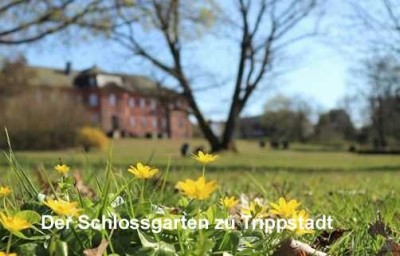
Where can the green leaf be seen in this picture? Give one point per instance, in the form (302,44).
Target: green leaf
(230,241)
(58,247)
(183,202)
(32,238)
(149,242)
(31,249)
(30,216)
(211,213)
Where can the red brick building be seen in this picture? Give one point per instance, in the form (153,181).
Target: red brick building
(120,104)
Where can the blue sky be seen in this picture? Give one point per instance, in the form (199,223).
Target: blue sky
(319,75)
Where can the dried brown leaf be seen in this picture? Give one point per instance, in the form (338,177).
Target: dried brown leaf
(290,247)
(326,239)
(379,228)
(45,186)
(98,251)
(81,186)
(390,248)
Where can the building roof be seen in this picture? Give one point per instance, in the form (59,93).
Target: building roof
(43,76)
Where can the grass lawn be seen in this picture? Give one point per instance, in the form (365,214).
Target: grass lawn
(350,187)
(250,157)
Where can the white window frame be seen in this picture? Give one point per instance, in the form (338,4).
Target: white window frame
(153,104)
(132,121)
(131,102)
(144,122)
(154,122)
(93,100)
(142,103)
(112,99)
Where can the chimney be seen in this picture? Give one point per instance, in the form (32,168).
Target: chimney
(68,67)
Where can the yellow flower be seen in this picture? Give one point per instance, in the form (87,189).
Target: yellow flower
(199,189)
(142,171)
(300,223)
(7,254)
(14,223)
(255,210)
(283,208)
(229,202)
(62,169)
(63,208)
(205,158)
(5,191)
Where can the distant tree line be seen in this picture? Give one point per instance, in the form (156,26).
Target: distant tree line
(379,90)
(290,119)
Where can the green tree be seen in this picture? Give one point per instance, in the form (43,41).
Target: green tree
(288,119)
(335,126)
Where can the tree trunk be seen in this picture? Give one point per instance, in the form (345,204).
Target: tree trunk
(211,138)
(380,125)
(230,127)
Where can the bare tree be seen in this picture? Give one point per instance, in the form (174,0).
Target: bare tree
(377,24)
(379,89)
(264,27)
(26,21)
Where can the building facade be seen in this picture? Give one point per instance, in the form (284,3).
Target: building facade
(122,105)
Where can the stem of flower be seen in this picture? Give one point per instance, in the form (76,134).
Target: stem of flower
(142,191)
(204,169)
(9,244)
(200,231)
(77,238)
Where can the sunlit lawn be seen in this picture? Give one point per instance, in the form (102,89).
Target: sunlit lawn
(353,188)
(249,157)
(299,171)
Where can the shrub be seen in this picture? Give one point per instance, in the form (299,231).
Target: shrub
(90,137)
(41,120)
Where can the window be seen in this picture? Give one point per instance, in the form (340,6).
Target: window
(164,123)
(112,100)
(131,102)
(93,100)
(142,103)
(153,104)
(181,123)
(144,122)
(132,121)
(92,81)
(154,122)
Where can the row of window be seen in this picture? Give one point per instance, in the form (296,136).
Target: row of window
(133,121)
(93,101)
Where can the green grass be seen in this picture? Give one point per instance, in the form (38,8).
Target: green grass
(350,187)
(249,157)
